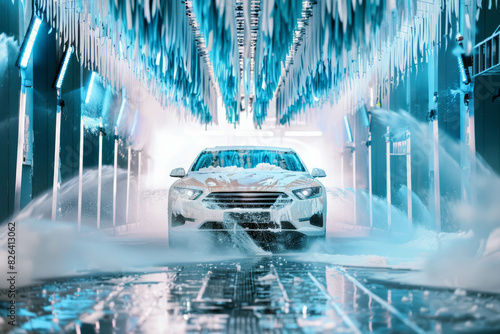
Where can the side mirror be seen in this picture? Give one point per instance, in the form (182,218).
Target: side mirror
(178,172)
(316,172)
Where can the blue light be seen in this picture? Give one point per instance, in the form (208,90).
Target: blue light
(120,113)
(91,85)
(64,67)
(133,129)
(463,71)
(348,129)
(121,50)
(364,116)
(29,42)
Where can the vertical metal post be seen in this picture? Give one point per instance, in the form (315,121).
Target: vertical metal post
(22,26)
(464,151)
(472,8)
(139,161)
(354,185)
(115,171)
(370,187)
(129,154)
(472,149)
(99,177)
(408,179)
(437,188)
(20,145)
(80,175)
(80,158)
(354,176)
(388,176)
(467,130)
(55,183)
(433,128)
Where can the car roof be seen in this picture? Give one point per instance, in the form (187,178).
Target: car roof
(238,148)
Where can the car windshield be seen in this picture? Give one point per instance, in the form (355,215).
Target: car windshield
(287,160)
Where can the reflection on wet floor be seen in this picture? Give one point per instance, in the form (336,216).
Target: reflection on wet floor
(258,295)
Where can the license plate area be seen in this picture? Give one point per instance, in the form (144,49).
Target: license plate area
(247,217)
(250,220)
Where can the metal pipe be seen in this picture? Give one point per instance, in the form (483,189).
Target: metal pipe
(464,149)
(139,160)
(433,133)
(99,177)
(115,171)
(388,176)
(128,185)
(472,152)
(437,188)
(80,175)
(408,154)
(467,133)
(370,188)
(354,185)
(354,131)
(55,183)
(472,123)
(408,180)
(80,160)
(20,147)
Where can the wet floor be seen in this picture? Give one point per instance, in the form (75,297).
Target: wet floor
(259,295)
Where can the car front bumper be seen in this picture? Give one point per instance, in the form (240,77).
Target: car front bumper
(306,217)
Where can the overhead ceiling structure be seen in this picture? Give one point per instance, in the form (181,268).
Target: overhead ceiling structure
(252,53)
(128,40)
(218,26)
(324,50)
(247,24)
(278,21)
(352,48)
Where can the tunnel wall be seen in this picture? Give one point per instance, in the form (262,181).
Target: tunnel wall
(37,172)
(406,92)
(416,101)
(10,22)
(487,111)
(45,65)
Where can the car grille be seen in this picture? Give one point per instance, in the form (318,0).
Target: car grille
(284,225)
(246,200)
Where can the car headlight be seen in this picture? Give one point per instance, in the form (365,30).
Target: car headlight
(308,193)
(186,193)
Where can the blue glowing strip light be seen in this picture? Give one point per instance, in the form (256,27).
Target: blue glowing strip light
(63,68)
(120,113)
(28,43)
(121,50)
(463,71)
(348,129)
(364,116)
(133,129)
(91,85)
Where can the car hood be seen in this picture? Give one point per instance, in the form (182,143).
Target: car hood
(248,181)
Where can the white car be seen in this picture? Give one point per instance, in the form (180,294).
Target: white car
(265,192)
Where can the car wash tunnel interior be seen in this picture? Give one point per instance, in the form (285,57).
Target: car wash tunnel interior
(249,166)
